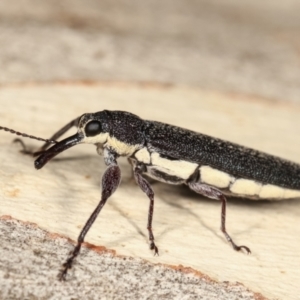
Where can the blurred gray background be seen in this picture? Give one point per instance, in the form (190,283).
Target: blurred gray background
(250,47)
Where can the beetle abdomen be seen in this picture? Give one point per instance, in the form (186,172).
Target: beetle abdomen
(233,159)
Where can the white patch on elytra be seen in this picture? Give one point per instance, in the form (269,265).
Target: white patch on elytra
(270,191)
(214,177)
(246,187)
(179,168)
(143,155)
(290,194)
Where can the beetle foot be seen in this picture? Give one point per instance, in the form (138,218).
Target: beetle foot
(153,247)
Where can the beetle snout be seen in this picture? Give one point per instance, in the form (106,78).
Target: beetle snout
(56,149)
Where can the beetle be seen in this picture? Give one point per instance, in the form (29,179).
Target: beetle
(209,166)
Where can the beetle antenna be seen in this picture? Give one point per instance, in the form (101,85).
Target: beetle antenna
(27,135)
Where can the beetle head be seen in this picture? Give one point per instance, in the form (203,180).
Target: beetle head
(119,131)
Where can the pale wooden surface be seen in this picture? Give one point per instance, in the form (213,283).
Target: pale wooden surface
(61,196)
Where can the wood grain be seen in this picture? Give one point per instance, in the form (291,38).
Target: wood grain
(61,196)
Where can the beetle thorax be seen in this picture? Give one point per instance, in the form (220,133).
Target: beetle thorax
(120,147)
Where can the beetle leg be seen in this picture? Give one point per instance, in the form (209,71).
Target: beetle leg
(54,137)
(59,133)
(146,188)
(24,150)
(214,193)
(110,182)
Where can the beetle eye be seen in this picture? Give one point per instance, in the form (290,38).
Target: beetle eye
(93,128)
